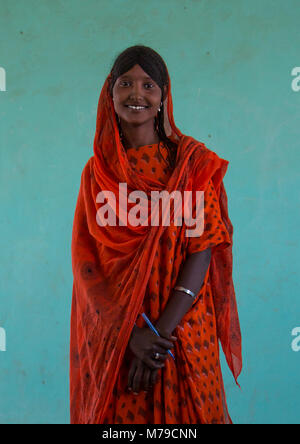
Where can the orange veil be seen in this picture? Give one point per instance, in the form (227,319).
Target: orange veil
(112,264)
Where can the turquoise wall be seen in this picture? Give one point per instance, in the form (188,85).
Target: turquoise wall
(231,66)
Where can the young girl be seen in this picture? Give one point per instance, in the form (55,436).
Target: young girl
(121,372)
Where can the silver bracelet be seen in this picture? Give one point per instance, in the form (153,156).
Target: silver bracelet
(189,292)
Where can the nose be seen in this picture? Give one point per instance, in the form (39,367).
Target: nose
(136,92)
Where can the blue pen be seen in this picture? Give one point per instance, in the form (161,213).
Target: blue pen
(154,330)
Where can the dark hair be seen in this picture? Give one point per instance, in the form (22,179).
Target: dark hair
(153,64)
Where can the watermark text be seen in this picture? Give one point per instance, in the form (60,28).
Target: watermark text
(2,79)
(107,215)
(2,340)
(296,81)
(296,342)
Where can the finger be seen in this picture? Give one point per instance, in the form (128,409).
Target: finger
(170,337)
(162,357)
(131,374)
(154,377)
(161,350)
(166,335)
(165,343)
(153,363)
(137,378)
(161,360)
(146,378)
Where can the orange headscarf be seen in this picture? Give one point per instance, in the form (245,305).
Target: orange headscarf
(112,264)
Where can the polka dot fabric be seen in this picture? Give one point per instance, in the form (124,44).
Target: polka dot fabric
(190,389)
(215,234)
(150,161)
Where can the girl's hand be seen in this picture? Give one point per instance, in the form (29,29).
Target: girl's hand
(144,343)
(140,376)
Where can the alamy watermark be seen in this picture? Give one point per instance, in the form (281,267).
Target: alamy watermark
(296,81)
(142,207)
(2,79)
(296,342)
(2,340)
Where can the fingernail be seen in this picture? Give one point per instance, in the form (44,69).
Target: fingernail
(135,393)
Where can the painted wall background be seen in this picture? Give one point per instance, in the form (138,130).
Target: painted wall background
(231,70)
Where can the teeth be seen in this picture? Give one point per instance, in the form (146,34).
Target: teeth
(136,107)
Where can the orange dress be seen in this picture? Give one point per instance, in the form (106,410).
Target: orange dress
(190,389)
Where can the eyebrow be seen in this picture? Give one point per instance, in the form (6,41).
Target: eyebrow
(129,77)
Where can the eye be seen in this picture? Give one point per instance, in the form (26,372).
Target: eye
(148,85)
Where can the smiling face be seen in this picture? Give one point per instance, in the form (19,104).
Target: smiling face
(136,88)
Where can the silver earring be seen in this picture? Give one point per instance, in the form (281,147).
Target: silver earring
(159,106)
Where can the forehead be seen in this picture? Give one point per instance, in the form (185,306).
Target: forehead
(136,73)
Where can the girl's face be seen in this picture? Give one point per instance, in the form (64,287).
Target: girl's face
(136,88)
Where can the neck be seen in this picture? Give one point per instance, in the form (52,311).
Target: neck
(136,136)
